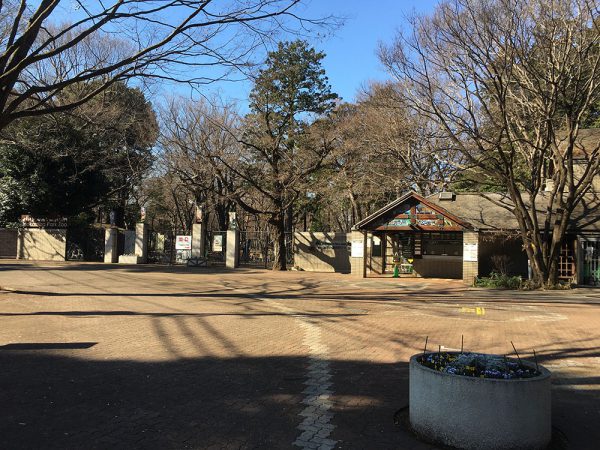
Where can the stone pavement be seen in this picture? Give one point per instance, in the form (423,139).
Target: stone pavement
(108,356)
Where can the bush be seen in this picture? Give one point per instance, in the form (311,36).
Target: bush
(498,280)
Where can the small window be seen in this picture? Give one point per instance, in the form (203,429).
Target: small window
(442,244)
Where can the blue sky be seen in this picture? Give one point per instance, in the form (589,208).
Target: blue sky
(351,59)
(351,54)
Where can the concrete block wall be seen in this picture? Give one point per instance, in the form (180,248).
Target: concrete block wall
(470,269)
(42,244)
(322,252)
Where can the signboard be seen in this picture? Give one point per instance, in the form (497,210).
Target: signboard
(358,249)
(217,243)
(328,245)
(470,252)
(183,242)
(42,222)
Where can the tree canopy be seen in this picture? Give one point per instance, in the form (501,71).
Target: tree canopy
(65,164)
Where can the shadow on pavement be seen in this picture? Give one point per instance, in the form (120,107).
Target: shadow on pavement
(51,400)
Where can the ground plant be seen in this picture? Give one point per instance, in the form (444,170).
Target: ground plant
(499,281)
(478,365)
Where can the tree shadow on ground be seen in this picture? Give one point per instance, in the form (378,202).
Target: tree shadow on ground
(51,400)
(62,400)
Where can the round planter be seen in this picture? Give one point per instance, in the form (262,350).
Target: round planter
(475,413)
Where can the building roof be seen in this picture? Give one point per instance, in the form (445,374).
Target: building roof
(390,207)
(490,211)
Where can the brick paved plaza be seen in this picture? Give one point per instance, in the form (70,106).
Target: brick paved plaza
(99,356)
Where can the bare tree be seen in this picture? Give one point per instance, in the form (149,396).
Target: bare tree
(198,146)
(195,42)
(509,81)
(382,150)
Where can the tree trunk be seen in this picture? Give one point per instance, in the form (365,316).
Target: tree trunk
(279,257)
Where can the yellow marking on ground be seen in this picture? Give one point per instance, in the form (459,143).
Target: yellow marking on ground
(479,311)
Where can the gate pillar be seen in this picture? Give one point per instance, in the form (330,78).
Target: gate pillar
(198,240)
(141,242)
(111,239)
(232,249)
(358,256)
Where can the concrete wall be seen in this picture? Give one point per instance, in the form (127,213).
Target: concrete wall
(322,252)
(8,243)
(42,244)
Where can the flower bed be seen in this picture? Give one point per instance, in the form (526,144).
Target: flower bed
(478,365)
(478,401)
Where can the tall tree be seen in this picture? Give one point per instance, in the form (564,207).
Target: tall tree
(510,82)
(67,163)
(198,146)
(194,42)
(285,136)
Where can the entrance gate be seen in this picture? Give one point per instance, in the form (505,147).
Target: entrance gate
(591,263)
(162,248)
(85,244)
(216,243)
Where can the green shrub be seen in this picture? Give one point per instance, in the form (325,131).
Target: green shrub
(498,280)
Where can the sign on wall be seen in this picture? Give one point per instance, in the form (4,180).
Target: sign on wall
(217,243)
(43,222)
(183,242)
(358,250)
(470,252)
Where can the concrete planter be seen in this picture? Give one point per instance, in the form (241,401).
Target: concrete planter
(475,413)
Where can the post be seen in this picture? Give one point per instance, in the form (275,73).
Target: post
(198,240)
(232,244)
(358,253)
(366,247)
(141,242)
(470,256)
(111,236)
(232,249)
(580,259)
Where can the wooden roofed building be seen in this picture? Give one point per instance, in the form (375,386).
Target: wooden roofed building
(464,235)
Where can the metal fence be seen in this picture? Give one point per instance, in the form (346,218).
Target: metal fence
(8,243)
(85,244)
(215,245)
(257,249)
(161,247)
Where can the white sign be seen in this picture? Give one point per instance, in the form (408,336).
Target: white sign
(358,249)
(470,252)
(217,243)
(183,242)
